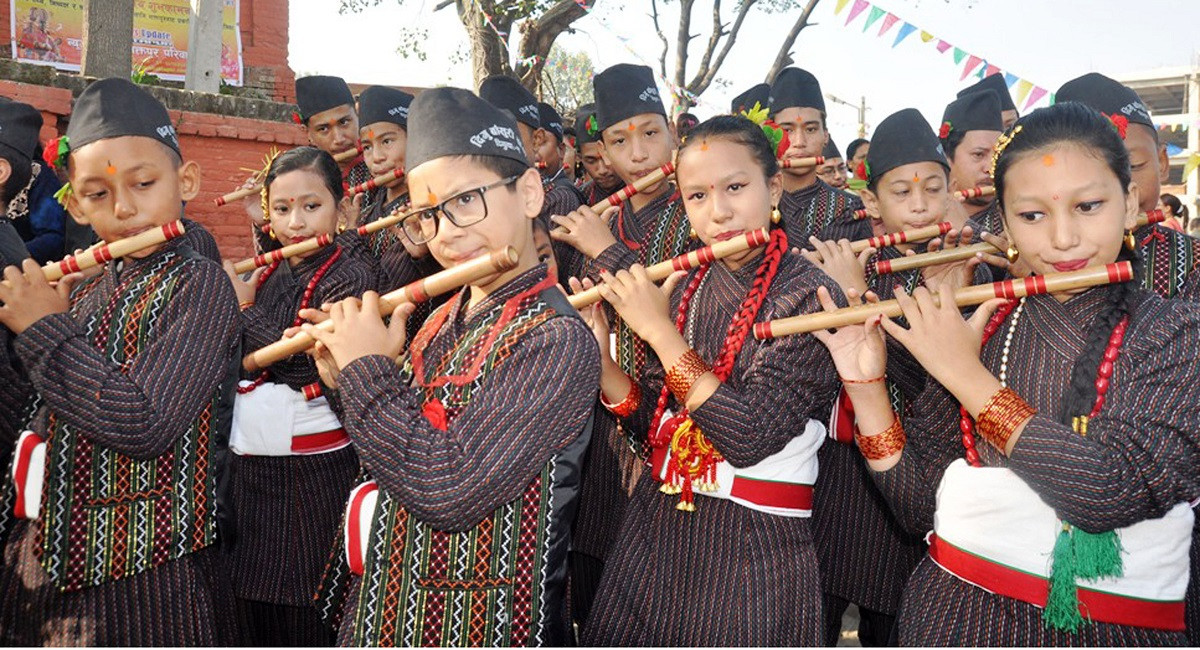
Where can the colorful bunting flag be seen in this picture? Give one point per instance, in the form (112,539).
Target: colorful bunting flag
(991,70)
(859,6)
(841,4)
(1023,88)
(905,29)
(1190,166)
(959,55)
(1010,79)
(888,21)
(1037,93)
(926,36)
(876,14)
(942,46)
(972,61)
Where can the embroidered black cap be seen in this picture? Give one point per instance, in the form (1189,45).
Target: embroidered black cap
(383,104)
(455,122)
(20,124)
(623,91)
(796,88)
(320,93)
(995,83)
(902,138)
(115,107)
(508,93)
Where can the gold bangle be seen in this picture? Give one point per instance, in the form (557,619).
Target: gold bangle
(684,373)
(245,305)
(882,445)
(1000,417)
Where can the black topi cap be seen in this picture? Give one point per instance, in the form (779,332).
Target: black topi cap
(320,93)
(1106,95)
(586,128)
(830,150)
(758,94)
(977,111)
(995,83)
(20,124)
(508,93)
(454,122)
(901,138)
(623,91)
(115,107)
(551,120)
(798,88)
(383,104)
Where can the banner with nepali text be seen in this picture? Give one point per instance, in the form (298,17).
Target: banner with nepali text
(50,32)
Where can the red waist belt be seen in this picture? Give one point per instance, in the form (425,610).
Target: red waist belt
(1100,606)
(315,443)
(769,494)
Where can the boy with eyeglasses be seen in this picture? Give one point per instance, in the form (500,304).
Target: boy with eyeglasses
(462,536)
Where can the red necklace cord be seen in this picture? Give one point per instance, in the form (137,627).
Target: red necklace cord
(1103,377)
(308,294)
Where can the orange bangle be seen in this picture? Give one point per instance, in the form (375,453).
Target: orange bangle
(684,373)
(245,305)
(628,405)
(882,445)
(863,381)
(1000,417)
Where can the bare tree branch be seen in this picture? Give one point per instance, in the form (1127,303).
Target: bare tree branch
(683,39)
(706,72)
(784,57)
(662,59)
(443,4)
(538,37)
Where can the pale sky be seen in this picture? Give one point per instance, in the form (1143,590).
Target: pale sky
(1044,41)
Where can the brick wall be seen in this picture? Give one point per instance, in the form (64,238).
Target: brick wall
(221,144)
(264,25)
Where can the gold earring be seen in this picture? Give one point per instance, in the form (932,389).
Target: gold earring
(341,227)
(271,233)
(775,216)
(1130,240)
(692,233)
(1012,254)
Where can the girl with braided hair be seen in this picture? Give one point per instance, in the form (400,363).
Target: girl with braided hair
(716,547)
(292,463)
(1055,454)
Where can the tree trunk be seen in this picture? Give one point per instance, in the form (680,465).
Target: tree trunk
(107,38)
(204,47)
(488,56)
(538,36)
(784,58)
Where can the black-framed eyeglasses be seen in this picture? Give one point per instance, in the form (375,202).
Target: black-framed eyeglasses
(463,209)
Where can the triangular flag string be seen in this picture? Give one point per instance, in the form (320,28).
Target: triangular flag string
(905,29)
(876,14)
(888,21)
(859,6)
(1027,93)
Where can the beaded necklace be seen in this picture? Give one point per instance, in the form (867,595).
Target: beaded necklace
(692,457)
(308,294)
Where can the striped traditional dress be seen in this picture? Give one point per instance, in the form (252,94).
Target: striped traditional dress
(151,344)
(1138,460)
(288,508)
(726,574)
(659,231)
(989,220)
(477,466)
(824,212)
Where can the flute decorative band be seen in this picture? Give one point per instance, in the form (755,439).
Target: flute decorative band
(965,297)
(797,163)
(706,255)
(280,254)
(242,193)
(902,237)
(649,180)
(105,253)
(419,291)
(961,195)
(959,253)
(384,179)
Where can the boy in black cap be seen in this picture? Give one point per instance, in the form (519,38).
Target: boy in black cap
(601,180)
(474,447)
(1170,257)
(133,372)
(866,555)
(995,83)
(970,127)
(325,111)
(757,95)
(809,206)
(833,171)
(636,139)
(507,93)
(562,197)
(19,126)
(396,261)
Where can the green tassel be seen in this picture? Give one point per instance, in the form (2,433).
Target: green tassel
(63,194)
(1097,555)
(1062,605)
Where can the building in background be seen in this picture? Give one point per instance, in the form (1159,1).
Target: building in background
(1173,97)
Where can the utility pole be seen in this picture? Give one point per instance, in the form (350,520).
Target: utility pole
(204,46)
(861,107)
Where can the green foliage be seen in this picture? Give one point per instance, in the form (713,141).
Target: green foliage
(567,79)
(141,73)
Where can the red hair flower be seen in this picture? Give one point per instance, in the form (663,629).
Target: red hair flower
(56,151)
(296,118)
(435,413)
(863,171)
(1121,123)
(944,132)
